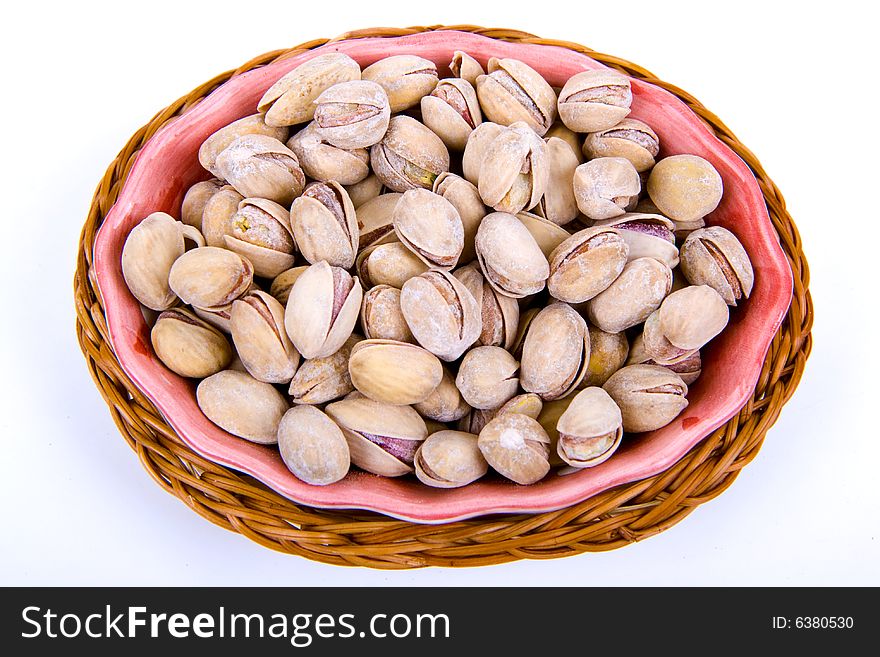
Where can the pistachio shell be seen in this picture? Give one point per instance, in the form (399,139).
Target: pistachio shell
(514,91)
(441,313)
(590,429)
(405,78)
(195,199)
(282,283)
(353,114)
(325,162)
(365,190)
(312,446)
(586,263)
(499,313)
(509,257)
(452,112)
(381,316)
(608,353)
(388,264)
(685,187)
(691,317)
(324,224)
(661,350)
(394,372)
(189,346)
(571,138)
(241,405)
(260,231)
(689,368)
(605,187)
(290,100)
(257,322)
(547,234)
(515,171)
(487,377)
(713,256)
(450,459)
(322,310)
(220,140)
(635,294)
(430,227)
(475,149)
(466,200)
(261,167)
(555,353)
(218,213)
(517,447)
(649,397)
(594,100)
(148,255)
(646,235)
(410,155)
(631,139)
(445,404)
(466,67)
(209,277)
(559,204)
(324,379)
(375,220)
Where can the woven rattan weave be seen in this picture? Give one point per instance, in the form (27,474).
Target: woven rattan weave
(606,521)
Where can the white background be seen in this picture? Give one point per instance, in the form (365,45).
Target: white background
(794,83)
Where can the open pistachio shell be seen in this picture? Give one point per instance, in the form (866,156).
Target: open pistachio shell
(281,284)
(466,200)
(510,258)
(606,187)
(689,369)
(631,139)
(450,459)
(189,346)
(324,224)
(218,213)
(452,112)
(487,377)
(547,234)
(261,167)
(713,256)
(590,429)
(381,316)
(517,447)
(586,263)
(352,115)
(649,397)
(220,140)
(260,232)
(388,264)
(312,446)
(410,155)
(320,380)
(646,235)
(209,277)
(243,406)
(499,313)
(405,78)
(195,200)
(513,91)
(475,149)
(375,223)
(594,100)
(466,67)
(430,227)
(692,316)
(325,162)
(635,294)
(555,353)
(394,372)
(571,139)
(257,322)
(515,171)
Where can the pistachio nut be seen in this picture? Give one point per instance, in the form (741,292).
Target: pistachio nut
(375,222)
(631,139)
(555,352)
(586,263)
(713,256)
(312,446)
(322,309)
(365,190)
(608,353)
(260,232)
(410,155)
(382,438)
(188,346)
(452,112)
(218,142)
(573,139)
(465,67)
(686,320)
(290,100)
(649,397)
(514,91)
(635,294)
(595,100)
(148,255)
(352,115)
(261,167)
(257,322)
(441,313)
(646,235)
(405,78)
(466,200)
(241,405)
(445,404)
(475,149)
(487,377)
(209,277)
(394,372)
(217,215)
(320,380)
(381,316)
(547,234)
(509,256)
(685,187)
(689,369)
(325,225)
(526,404)
(281,284)
(558,203)
(517,447)
(515,171)
(195,199)
(388,264)
(590,429)
(605,187)
(499,313)
(430,227)
(449,459)
(324,162)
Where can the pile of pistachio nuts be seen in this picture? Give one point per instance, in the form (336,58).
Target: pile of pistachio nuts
(411,274)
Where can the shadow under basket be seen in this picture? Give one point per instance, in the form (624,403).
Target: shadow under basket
(607,520)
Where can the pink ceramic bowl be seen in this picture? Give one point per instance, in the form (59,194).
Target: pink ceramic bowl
(168,165)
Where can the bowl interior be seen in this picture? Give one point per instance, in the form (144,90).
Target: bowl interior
(168,164)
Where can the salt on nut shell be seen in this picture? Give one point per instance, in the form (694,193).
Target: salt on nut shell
(208,277)
(405,78)
(606,187)
(499,313)
(631,139)
(312,446)
(352,114)
(649,397)
(635,293)
(466,200)
(445,404)
(586,263)
(689,368)
(515,170)
(189,346)
(555,353)
(477,144)
(397,373)
(388,264)
(594,100)
(450,459)
(517,447)
(243,406)
(325,162)
(690,317)
(222,138)
(590,430)
(713,256)
(685,187)
(260,232)
(324,224)
(430,226)
(381,316)
(487,377)
(466,67)
(509,257)
(257,323)
(558,204)
(320,380)
(514,91)
(646,235)
(261,167)
(452,111)
(410,155)
(218,213)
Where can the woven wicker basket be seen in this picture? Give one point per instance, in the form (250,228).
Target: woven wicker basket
(606,521)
